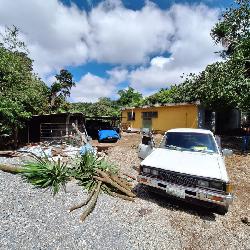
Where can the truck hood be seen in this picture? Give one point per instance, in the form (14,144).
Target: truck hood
(191,163)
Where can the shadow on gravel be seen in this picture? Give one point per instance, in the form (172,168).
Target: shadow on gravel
(170,203)
(232,142)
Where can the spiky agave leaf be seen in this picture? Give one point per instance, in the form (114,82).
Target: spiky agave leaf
(46,174)
(85,169)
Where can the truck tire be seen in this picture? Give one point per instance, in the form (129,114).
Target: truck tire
(222,210)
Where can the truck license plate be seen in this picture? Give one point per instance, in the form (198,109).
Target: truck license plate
(175,191)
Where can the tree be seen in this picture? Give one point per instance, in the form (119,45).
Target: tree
(60,89)
(11,41)
(21,92)
(160,97)
(221,85)
(232,31)
(225,84)
(103,107)
(129,97)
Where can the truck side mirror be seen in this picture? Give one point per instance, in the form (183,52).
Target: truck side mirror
(227,152)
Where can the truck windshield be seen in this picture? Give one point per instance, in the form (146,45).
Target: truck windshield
(190,141)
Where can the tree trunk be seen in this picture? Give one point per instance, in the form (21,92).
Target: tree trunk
(15,134)
(52,100)
(10,168)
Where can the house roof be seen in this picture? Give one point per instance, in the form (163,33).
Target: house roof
(60,114)
(164,105)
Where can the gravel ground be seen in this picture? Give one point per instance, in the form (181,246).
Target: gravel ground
(31,218)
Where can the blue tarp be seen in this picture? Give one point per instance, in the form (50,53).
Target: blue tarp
(107,134)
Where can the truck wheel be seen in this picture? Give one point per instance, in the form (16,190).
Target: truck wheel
(222,210)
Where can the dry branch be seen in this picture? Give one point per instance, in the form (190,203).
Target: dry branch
(85,202)
(82,136)
(9,153)
(92,202)
(10,168)
(114,194)
(105,178)
(125,197)
(120,182)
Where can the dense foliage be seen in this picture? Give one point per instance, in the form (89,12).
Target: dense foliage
(107,107)
(225,84)
(22,93)
(129,97)
(103,107)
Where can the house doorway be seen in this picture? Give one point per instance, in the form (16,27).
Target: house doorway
(147,118)
(147,123)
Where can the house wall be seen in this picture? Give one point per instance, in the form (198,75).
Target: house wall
(179,116)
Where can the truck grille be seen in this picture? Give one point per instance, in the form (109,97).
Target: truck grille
(177,179)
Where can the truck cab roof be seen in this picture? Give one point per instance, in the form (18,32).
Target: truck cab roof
(190,130)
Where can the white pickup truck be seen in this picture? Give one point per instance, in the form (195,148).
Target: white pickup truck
(188,164)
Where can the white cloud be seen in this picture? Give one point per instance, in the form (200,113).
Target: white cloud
(52,31)
(160,61)
(117,75)
(125,36)
(90,88)
(191,49)
(59,36)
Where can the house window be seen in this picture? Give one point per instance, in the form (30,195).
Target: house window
(131,116)
(149,115)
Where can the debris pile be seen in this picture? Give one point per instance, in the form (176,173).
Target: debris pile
(46,150)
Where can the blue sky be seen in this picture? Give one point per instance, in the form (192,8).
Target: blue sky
(111,44)
(138,4)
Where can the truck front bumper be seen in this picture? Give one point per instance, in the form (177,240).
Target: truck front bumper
(188,193)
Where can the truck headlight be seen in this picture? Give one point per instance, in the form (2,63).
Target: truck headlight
(146,170)
(216,185)
(203,183)
(154,172)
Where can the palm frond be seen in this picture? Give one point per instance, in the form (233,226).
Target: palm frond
(44,173)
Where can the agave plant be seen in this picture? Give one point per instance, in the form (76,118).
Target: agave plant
(96,175)
(85,168)
(46,174)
